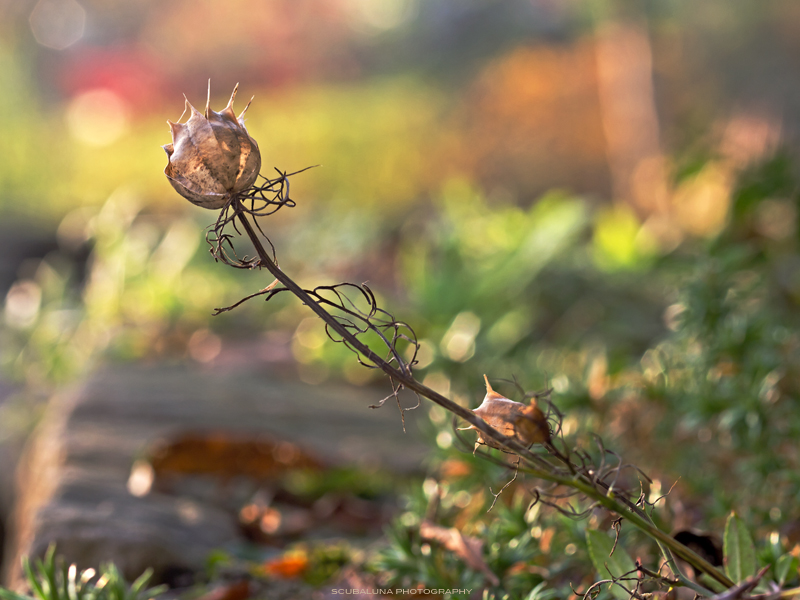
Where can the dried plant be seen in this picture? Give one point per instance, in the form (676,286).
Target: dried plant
(350,311)
(571,480)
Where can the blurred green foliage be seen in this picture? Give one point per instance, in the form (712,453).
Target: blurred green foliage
(687,362)
(696,346)
(672,356)
(49,578)
(686,357)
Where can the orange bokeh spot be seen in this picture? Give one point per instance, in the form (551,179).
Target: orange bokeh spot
(289,566)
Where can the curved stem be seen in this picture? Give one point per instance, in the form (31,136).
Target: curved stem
(641,521)
(539,467)
(673,565)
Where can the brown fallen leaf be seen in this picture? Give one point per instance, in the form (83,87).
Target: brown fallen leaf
(226,454)
(239,590)
(526,422)
(469,549)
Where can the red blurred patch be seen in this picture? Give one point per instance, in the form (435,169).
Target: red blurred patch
(127,71)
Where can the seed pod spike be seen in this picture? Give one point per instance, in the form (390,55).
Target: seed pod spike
(490,393)
(208,99)
(233,96)
(241,116)
(227,112)
(175,128)
(185,106)
(192,108)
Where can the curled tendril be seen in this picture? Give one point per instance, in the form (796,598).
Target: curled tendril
(356,309)
(358,316)
(261,200)
(353,307)
(578,481)
(355,312)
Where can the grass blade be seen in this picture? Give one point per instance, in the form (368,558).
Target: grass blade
(33,579)
(786,564)
(9,595)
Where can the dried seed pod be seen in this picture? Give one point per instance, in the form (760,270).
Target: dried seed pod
(526,422)
(531,425)
(212,157)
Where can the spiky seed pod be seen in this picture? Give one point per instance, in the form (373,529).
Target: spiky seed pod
(526,422)
(531,425)
(212,157)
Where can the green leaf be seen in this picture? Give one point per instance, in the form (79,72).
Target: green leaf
(540,592)
(9,595)
(786,565)
(616,565)
(48,571)
(740,553)
(32,579)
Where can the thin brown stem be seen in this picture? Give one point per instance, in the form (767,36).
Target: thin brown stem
(594,489)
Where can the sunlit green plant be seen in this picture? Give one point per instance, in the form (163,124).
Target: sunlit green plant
(575,479)
(50,578)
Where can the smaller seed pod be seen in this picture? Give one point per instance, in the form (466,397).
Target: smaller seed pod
(525,422)
(212,157)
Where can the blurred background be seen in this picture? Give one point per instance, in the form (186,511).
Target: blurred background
(596,196)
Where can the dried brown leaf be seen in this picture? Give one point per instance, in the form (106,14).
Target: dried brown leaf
(238,590)
(469,549)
